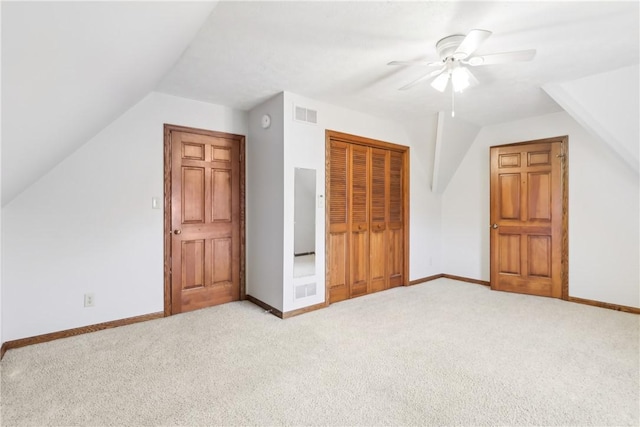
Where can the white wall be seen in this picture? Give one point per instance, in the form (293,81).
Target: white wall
(88,225)
(426,205)
(604,252)
(265,204)
(1,281)
(305,147)
(453,140)
(1,270)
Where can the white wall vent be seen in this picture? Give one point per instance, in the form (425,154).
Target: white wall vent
(306,115)
(303,291)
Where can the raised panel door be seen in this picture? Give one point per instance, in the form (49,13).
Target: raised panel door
(205,221)
(527,218)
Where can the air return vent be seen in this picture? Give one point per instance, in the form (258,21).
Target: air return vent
(303,291)
(306,115)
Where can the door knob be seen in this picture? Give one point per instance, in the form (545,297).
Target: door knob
(177,231)
(494,226)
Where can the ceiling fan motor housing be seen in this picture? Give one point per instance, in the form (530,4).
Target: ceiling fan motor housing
(448,45)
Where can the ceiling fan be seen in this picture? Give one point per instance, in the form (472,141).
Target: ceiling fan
(456,53)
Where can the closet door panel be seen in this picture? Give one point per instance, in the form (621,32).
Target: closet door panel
(378,255)
(378,221)
(396,232)
(396,257)
(359,210)
(338,242)
(359,263)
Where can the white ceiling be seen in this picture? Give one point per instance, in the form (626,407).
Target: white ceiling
(71,68)
(337,52)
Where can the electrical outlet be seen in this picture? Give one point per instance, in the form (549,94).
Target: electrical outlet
(89,300)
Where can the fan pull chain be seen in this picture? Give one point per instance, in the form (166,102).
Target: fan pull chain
(453,113)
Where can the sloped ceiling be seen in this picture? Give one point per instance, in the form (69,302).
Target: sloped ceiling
(337,52)
(607,105)
(70,68)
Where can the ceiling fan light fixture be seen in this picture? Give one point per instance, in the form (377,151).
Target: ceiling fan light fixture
(440,82)
(476,60)
(460,79)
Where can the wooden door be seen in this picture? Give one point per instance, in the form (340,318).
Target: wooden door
(528,218)
(205,219)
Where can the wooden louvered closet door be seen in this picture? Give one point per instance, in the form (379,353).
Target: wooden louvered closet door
(365,244)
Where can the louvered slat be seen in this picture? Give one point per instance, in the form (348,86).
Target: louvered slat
(338,183)
(378,160)
(359,185)
(395,190)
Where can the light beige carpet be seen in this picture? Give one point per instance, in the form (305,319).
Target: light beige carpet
(439,353)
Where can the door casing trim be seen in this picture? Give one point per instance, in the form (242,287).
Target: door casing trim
(240,140)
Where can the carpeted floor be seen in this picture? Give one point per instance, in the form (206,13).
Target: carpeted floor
(439,353)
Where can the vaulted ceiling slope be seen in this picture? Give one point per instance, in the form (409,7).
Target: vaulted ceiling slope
(71,68)
(608,106)
(337,52)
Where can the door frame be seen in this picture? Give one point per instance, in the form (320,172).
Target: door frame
(240,140)
(331,135)
(564,176)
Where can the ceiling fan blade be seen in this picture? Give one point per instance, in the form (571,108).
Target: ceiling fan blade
(440,82)
(424,63)
(472,79)
(423,78)
(471,42)
(502,58)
